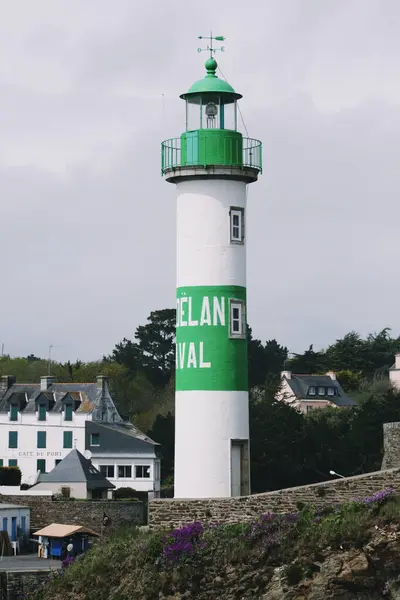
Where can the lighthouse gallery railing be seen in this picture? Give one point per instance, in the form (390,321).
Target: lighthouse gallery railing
(171,155)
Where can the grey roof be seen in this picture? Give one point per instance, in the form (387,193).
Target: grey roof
(75,468)
(300,386)
(119,438)
(4,505)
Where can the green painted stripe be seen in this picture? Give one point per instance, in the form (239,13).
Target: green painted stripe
(207,358)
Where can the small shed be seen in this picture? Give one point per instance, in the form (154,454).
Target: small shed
(55,540)
(15,520)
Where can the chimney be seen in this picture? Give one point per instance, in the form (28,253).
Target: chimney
(332,375)
(397,360)
(5,383)
(102,382)
(46,381)
(286,374)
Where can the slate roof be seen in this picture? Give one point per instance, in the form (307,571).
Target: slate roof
(119,438)
(300,386)
(75,468)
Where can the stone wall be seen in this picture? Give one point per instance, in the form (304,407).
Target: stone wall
(170,513)
(88,513)
(391,446)
(20,584)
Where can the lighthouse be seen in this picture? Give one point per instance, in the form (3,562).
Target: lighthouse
(211,165)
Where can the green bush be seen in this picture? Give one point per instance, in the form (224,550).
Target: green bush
(10,476)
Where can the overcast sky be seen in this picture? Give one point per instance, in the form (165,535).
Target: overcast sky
(87,223)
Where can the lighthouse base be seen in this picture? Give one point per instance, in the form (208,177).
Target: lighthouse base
(211,444)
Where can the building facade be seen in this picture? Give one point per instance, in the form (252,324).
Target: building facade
(308,392)
(211,164)
(41,423)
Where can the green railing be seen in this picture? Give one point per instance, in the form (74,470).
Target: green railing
(240,152)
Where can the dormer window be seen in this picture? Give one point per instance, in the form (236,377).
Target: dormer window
(42,412)
(13,412)
(321,391)
(95,439)
(68,412)
(311,391)
(331,391)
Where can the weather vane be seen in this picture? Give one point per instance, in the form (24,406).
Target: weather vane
(210,48)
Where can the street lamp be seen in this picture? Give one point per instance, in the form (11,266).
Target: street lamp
(337,474)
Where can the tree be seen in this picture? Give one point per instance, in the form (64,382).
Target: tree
(256,360)
(156,342)
(275,357)
(309,362)
(127,353)
(163,432)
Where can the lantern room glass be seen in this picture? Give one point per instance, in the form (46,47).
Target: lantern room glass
(210,112)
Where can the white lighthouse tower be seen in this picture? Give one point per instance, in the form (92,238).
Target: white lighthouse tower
(211,164)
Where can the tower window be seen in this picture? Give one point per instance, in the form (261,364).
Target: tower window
(13,412)
(236,313)
(42,412)
(237,225)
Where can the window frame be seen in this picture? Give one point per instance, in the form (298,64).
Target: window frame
(13,435)
(14,412)
(239,212)
(107,468)
(312,391)
(43,462)
(331,391)
(148,467)
(66,435)
(124,467)
(323,391)
(12,462)
(41,435)
(236,303)
(91,440)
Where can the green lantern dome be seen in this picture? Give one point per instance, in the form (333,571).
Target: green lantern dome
(210,85)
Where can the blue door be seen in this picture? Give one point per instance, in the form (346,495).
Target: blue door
(5,524)
(23,525)
(13,529)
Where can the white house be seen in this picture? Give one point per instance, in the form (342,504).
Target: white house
(41,423)
(308,392)
(15,520)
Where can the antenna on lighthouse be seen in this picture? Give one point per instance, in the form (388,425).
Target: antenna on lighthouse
(210,48)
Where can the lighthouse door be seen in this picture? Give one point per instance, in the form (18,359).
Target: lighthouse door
(236,468)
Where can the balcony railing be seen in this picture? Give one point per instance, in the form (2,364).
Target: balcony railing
(247,150)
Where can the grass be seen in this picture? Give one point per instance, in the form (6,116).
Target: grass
(132,564)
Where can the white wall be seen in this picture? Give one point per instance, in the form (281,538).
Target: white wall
(27,452)
(77,489)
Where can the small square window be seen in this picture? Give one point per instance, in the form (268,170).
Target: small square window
(321,391)
(331,391)
(125,471)
(237,225)
(311,391)
(236,313)
(68,412)
(95,439)
(13,412)
(13,439)
(41,465)
(142,471)
(41,439)
(42,412)
(107,470)
(13,462)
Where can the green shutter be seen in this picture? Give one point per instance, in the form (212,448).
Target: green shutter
(1,462)
(41,439)
(68,413)
(14,412)
(13,462)
(67,439)
(13,439)
(42,412)
(41,465)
